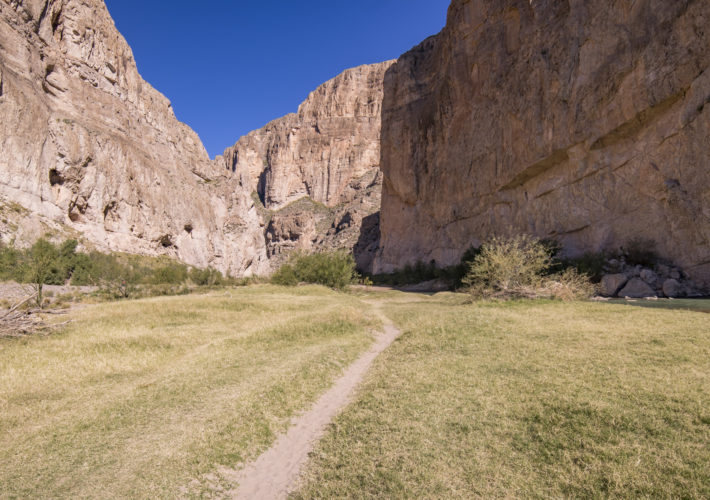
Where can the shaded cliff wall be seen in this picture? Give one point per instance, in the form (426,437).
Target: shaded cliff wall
(586,121)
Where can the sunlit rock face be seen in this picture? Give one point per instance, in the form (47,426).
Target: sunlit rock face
(328,153)
(585,121)
(90,148)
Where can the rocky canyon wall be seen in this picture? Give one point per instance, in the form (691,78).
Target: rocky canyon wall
(582,120)
(316,172)
(88,147)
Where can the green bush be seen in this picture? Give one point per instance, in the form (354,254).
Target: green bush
(206,277)
(335,270)
(11,264)
(285,276)
(170,274)
(118,273)
(520,267)
(96,268)
(21,265)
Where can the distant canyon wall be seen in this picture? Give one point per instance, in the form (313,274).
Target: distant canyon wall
(316,171)
(582,120)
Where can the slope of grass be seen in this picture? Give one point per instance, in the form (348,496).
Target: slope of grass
(146,399)
(527,399)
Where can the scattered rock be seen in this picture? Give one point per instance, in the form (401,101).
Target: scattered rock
(636,288)
(663,271)
(612,283)
(673,289)
(649,277)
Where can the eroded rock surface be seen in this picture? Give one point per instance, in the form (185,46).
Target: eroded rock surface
(90,147)
(585,121)
(317,171)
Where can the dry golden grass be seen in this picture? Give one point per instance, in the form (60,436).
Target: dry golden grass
(146,399)
(527,400)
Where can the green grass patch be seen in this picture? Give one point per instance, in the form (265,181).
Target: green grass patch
(527,399)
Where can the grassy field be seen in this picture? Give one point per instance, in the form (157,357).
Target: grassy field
(158,398)
(147,399)
(527,400)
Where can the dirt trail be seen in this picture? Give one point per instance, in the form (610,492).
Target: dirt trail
(274,474)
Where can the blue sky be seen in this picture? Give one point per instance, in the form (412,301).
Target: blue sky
(231,66)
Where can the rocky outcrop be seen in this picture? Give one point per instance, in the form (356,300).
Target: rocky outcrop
(90,147)
(584,121)
(634,280)
(316,172)
(308,226)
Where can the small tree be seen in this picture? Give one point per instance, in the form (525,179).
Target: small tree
(39,266)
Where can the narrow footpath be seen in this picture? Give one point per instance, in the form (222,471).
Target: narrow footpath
(275,473)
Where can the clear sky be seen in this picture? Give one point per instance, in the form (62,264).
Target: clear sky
(231,66)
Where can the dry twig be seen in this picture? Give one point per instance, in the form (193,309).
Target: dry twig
(17,322)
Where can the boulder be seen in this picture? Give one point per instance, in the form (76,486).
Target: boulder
(663,271)
(612,283)
(649,277)
(673,289)
(637,289)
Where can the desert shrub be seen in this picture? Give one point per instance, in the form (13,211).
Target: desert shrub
(508,264)
(57,262)
(568,285)
(97,268)
(335,270)
(11,264)
(116,274)
(285,276)
(520,267)
(169,274)
(640,252)
(205,277)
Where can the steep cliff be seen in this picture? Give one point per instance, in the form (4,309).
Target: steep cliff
(88,146)
(316,172)
(587,121)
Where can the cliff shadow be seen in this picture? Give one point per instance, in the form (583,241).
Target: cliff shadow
(367,244)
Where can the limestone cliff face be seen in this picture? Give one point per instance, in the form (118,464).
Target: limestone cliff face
(329,153)
(586,121)
(88,146)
